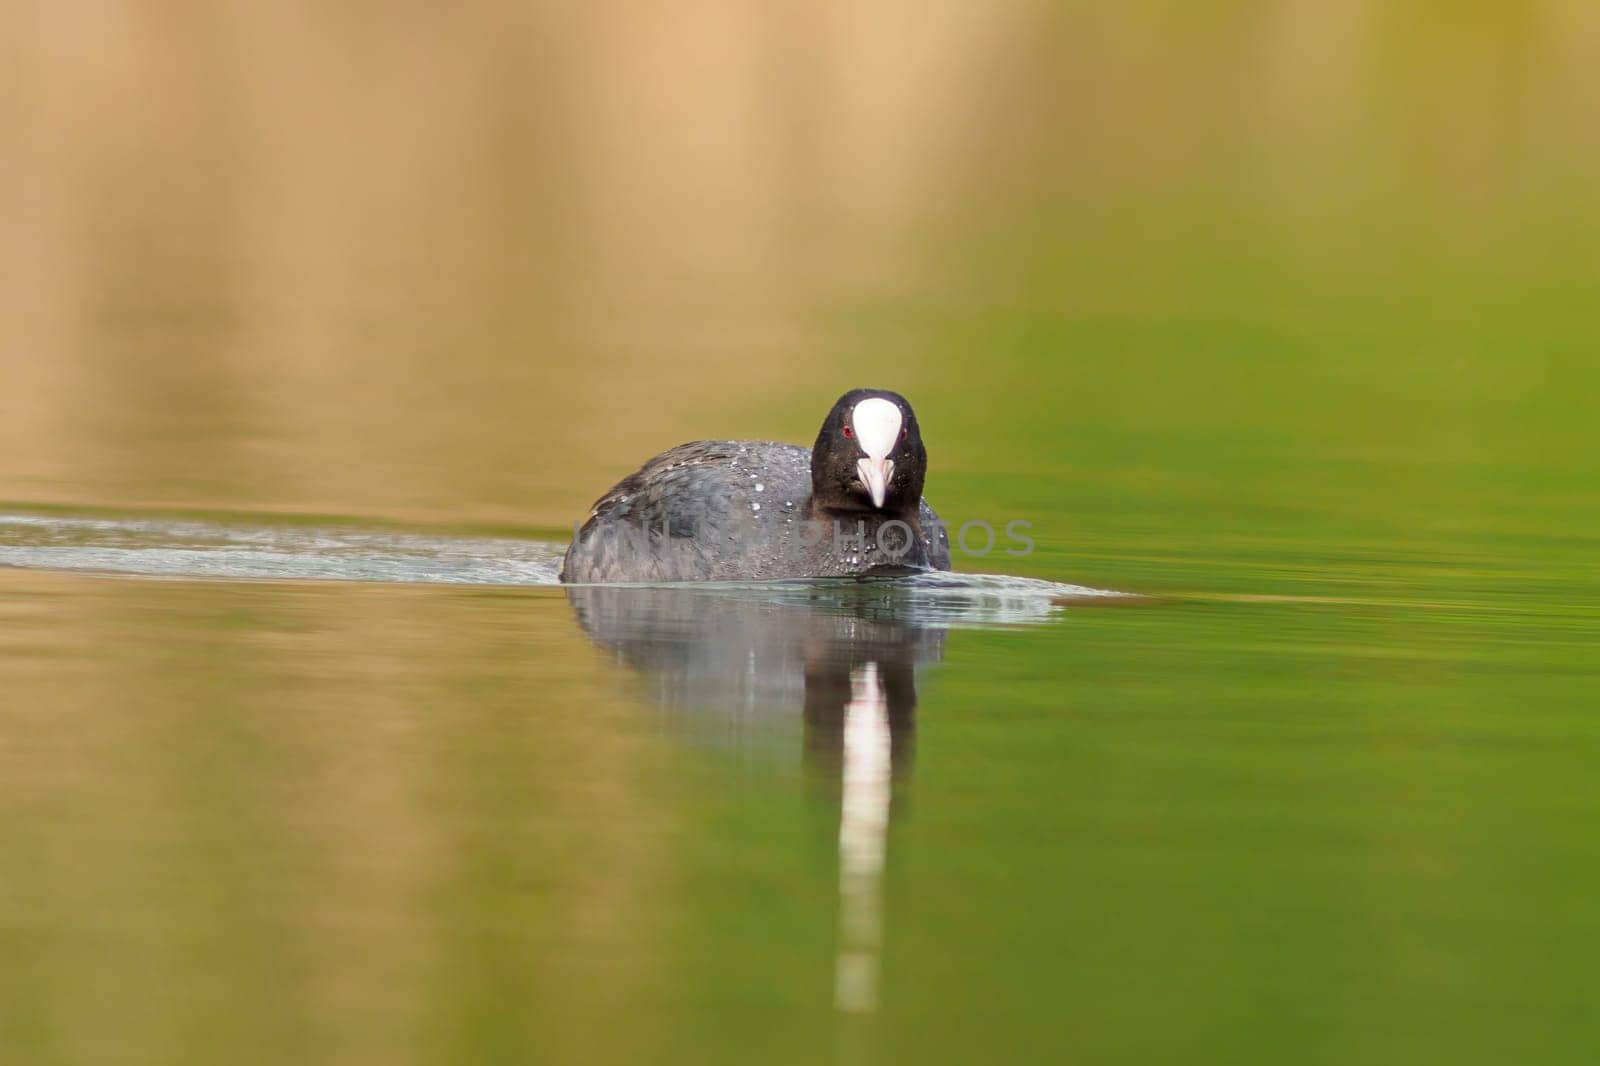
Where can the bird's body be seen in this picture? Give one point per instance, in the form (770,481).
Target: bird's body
(758,510)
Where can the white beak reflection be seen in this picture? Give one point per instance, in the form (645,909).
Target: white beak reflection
(828,669)
(863,840)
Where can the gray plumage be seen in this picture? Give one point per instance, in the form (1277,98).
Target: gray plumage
(696,513)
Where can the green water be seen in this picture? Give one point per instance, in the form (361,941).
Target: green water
(1282,315)
(1332,790)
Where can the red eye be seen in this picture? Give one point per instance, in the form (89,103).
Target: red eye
(849,432)
(904,433)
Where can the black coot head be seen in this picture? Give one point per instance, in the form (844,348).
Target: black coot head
(869,455)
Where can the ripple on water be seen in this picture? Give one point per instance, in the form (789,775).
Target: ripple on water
(178,548)
(191,549)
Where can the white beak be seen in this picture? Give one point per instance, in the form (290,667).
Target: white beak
(875,475)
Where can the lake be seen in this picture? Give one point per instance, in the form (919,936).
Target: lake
(317,340)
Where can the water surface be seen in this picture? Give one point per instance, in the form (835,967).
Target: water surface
(320,325)
(794,821)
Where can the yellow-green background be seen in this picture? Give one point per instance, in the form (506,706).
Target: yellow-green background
(1286,311)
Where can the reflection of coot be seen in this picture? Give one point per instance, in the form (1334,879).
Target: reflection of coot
(846,654)
(765,653)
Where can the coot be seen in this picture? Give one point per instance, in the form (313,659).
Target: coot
(723,510)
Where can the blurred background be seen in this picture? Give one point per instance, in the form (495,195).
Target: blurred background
(470,266)
(1287,308)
